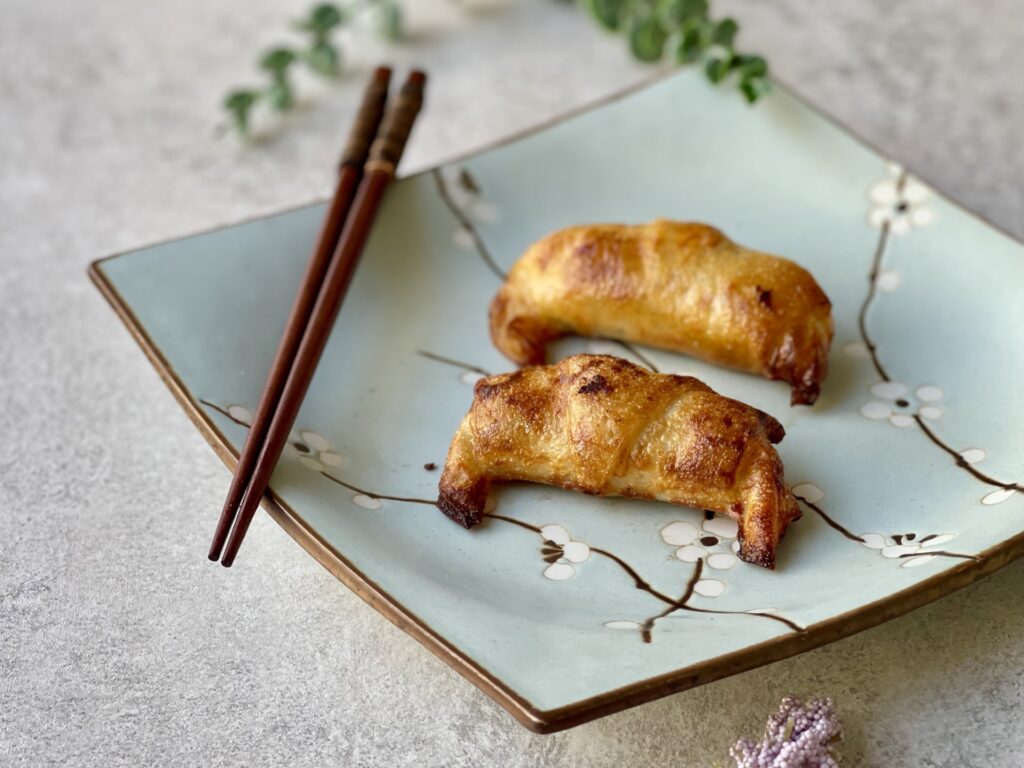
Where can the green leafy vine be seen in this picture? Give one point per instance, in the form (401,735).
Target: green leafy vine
(320,52)
(685,29)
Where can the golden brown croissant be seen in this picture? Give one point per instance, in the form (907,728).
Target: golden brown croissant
(604,426)
(684,287)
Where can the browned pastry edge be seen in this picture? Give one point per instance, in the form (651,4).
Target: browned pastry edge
(625,282)
(527,426)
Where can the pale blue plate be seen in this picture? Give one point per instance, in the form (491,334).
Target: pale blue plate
(913,453)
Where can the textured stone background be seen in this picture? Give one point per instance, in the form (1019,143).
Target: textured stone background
(121,645)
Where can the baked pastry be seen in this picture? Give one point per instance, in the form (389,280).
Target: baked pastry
(604,426)
(684,287)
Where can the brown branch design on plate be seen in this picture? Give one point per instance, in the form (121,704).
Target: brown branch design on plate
(553,544)
(914,549)
(899,207)
(467,234)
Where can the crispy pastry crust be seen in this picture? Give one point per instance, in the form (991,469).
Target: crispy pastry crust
(684,287)
(604,426)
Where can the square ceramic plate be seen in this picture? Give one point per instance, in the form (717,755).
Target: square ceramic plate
(909,466)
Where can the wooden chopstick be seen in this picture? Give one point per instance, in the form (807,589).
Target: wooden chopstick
(377,175)
(350,172)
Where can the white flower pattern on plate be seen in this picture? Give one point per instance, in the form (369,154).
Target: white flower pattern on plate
(561,552)
(914,550)
(313,450)
(240,413)
(624,624)
(909,547)
(896,404)
(714,543)
(997,497)
(903,208)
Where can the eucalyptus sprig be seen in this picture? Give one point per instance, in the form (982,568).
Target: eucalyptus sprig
(684,28)
(323,55)
(320,52)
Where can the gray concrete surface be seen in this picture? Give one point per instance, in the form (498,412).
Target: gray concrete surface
(121,645)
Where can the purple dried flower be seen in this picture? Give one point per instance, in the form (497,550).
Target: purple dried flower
(798,736)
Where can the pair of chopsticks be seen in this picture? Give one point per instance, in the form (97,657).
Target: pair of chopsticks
(374,147)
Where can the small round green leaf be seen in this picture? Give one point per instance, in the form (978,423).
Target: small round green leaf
(754,88)
(608,13)
(322,19)
(326,16)
(691,45)
(647,38)
(240,103)
(750,66)
(724,32)
(277,60)
(241,99)
(717,69)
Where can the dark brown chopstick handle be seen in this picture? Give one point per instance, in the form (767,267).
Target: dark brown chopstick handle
(367,121)
(394,132)
(349,175)
(379,172)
